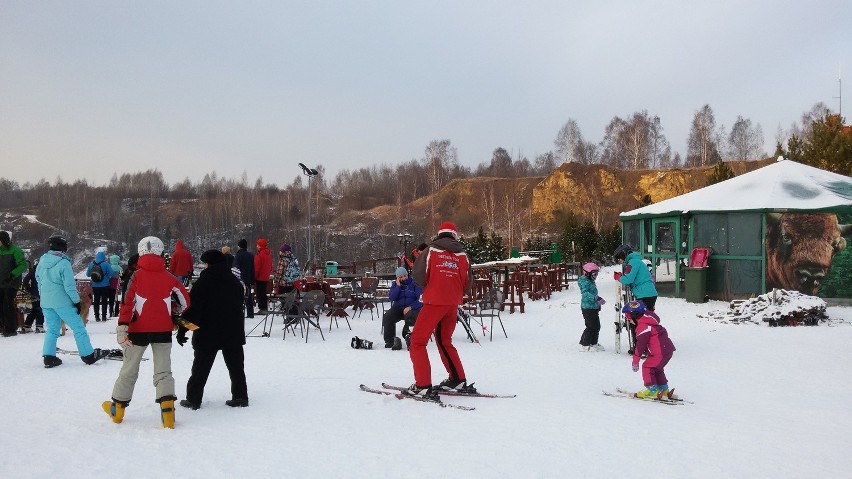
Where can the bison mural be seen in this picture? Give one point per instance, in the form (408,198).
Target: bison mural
(800,248)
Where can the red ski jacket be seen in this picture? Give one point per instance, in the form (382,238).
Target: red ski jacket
(443,270)
(181,263)
(147,305)
(262,262)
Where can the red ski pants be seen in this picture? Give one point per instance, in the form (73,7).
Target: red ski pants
(440,319)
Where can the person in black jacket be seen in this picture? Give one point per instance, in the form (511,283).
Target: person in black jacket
(35,314)
(244,260)
(217,309)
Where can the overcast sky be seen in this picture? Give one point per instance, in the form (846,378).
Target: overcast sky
(93,88)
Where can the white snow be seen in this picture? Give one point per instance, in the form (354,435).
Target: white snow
(769,402)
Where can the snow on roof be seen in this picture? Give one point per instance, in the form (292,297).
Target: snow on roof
(783,185)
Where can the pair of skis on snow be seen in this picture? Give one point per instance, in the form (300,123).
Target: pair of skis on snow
(623,393)
(396,391)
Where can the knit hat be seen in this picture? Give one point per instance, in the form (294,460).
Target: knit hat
(285,248)
(448,227)
(213,256)
(261,243)
(401,272)
(243,243)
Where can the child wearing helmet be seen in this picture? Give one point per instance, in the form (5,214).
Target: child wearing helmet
(590,307)
(145,319)
(653,339)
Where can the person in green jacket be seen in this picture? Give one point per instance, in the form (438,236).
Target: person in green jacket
(12,267)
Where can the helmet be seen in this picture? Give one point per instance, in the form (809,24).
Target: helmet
(150,245)
(590,267)
(634,307)
(621,252)
(57,243)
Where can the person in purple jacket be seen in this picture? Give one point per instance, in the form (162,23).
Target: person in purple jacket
(653,339)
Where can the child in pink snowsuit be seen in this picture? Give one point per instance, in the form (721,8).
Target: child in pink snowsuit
(653,339)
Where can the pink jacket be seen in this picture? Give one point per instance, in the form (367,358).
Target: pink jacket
(651,337)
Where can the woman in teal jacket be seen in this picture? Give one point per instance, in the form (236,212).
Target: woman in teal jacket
(60,301)
(636,275)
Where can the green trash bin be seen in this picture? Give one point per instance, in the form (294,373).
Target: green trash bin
(696,284)
(555,255)
(516,253)
(330,267)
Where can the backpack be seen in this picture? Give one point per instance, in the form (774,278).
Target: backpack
(97,273)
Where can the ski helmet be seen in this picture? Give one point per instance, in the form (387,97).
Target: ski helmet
(621,252)
(590,267)
(150,245)
(634,307)
(57,243)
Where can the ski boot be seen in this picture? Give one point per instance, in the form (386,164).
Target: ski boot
(459,386)
(667,394)
(39,329)
(651,392)
(51,361)
(167,411)
(397,344)
(96,356)
(115,409)
(25,329)
(426,393)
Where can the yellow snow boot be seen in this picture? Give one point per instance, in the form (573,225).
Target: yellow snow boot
(167,413)
(115,410)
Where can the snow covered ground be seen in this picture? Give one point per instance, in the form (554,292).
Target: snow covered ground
(769,402)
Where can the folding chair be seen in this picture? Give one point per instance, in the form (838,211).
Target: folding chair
(489,308)
(309,309)
(283,303)
(335,305)
(362,296)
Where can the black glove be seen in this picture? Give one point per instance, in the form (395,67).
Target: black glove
(181,337)
(78,307)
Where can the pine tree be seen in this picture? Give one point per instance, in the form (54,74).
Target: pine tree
(829,147)
(721,172)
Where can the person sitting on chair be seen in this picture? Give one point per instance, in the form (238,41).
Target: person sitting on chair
(405,296)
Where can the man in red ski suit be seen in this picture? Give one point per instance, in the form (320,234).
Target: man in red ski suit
(651,337)
(443,271)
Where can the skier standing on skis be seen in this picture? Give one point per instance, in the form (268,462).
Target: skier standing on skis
(145,319)
(443,271)
(590,307)
(653,339)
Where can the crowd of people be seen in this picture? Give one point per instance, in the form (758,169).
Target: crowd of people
(151,297)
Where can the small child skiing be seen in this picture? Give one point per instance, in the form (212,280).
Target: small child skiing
(590,307)
(653,339)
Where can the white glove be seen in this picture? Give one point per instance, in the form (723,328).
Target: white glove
(121,336)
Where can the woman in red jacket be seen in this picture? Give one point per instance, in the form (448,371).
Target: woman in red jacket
(262,272)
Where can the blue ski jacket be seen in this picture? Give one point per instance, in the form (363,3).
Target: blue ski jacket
(56,281)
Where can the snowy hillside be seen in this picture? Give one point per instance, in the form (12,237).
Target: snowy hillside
(769,402)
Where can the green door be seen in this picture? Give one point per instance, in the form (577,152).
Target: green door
(665,236)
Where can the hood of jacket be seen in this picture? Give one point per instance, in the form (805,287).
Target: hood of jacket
(115,260)
(151,262)
(52,258)
(448,244)
(100,257)
(179,245)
